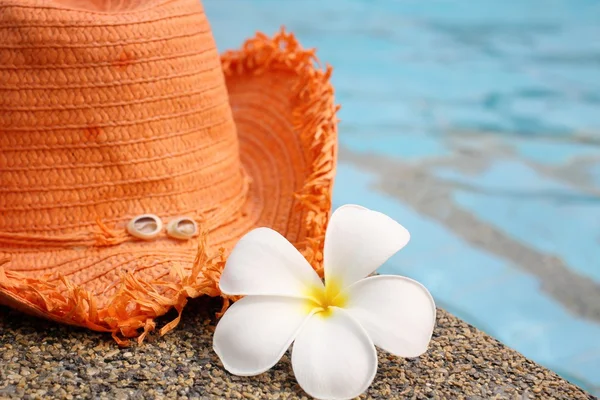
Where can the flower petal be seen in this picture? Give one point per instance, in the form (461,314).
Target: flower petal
(332,357)
(255,332)
(358,241)
(264,263)
(397,312)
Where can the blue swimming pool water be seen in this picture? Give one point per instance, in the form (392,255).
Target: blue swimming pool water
(476,124)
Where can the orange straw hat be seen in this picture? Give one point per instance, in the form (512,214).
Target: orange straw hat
(133,157)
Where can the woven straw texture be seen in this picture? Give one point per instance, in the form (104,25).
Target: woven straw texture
(112,109)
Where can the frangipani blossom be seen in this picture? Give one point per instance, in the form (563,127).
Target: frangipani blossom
(334,326)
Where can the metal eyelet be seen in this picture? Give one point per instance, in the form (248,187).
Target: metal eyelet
(182,228)
(147,226)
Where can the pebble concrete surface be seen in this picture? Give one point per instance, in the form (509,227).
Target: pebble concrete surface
(43,360)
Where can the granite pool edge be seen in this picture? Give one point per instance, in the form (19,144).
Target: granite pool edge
(41,359)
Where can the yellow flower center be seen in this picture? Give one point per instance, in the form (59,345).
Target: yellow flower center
(323,298)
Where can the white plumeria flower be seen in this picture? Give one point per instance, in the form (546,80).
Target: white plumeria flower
(334,326)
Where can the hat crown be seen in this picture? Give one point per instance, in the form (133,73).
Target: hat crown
(109,114)
(107,6)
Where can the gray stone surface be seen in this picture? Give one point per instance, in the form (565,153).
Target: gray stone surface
(44,360)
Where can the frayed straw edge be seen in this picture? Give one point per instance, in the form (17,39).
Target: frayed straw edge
(133,307)
(315,121)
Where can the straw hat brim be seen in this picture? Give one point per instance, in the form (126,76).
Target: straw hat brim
(283,107)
